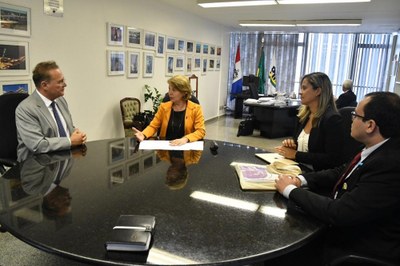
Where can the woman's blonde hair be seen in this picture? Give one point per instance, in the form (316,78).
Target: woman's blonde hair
(181,83)
(322,81)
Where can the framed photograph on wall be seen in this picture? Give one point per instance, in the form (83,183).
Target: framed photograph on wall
(181,45)
(169,65)
(133,169)
(149,40)
(133,64)
(197,63)
(205,48)
(117,175)
(219,50)
(189,47)
(14,58)
(116,63)
(204,66)
(189,65)
(20,86)
(217,64)
(212,50)
(211,64)
(148,65)
(134,37)
(115,34)
(15,20)
(179,63)
(198,48)
(171,44)
(160,51)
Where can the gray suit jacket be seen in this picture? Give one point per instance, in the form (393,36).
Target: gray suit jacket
(36,128)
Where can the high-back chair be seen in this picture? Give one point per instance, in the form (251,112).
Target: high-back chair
(8,132)
(129,108)
(351,146)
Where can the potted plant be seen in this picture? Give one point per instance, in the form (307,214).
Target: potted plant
(151,93)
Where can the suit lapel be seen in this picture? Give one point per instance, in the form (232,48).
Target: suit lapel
(45,113)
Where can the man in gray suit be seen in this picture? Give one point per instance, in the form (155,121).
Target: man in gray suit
(44,123)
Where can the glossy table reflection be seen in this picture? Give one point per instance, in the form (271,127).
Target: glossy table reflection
(202,219)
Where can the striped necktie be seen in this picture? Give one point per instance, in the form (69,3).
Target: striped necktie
(350,167)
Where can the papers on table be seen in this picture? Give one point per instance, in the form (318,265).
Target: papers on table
(164,145)
(272,157)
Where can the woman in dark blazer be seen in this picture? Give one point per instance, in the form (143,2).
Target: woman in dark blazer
(319,135)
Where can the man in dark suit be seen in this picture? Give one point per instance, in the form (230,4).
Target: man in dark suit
(36,117)
(363,213)
(347,98)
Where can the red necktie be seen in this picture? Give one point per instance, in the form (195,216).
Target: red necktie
(350,167)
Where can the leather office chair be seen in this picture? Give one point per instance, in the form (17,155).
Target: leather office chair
(353,104)
(8,133)
(351,146)
(129,108)
(192,98)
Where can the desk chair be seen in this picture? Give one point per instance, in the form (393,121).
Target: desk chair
(129,108)
(8,134)
(351,146)
(359,260)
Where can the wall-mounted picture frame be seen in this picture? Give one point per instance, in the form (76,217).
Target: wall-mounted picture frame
(179,63)
(198,48)
(115,63)
(134,37)
(160,51)
(19,86)
(204,65)
(116,151)
(133,64)
(212,50)
(211,64)
(197,63)
(171,44)
(169,65)
(181,46)
(189,65)
(189,47)
(14,58)
(219,51)
(149,40)
(115,34)
(148,65)
(15,20)
(217,64)
(205,48)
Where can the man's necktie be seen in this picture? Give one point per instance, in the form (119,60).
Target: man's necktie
(350,167)
(61,129)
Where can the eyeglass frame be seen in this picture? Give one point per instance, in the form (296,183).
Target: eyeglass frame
(354,115)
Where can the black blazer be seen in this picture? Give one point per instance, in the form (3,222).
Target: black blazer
(346,99)
(365,217)
(325,144)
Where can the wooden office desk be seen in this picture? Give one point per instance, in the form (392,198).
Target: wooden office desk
(206,220)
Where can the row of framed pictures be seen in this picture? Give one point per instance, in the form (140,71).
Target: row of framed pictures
(174,63)
(118,35)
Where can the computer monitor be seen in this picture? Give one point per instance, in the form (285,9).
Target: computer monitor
(252,82)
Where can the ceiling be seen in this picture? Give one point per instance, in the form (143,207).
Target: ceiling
(378,16)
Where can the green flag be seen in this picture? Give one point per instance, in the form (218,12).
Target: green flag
(261,72)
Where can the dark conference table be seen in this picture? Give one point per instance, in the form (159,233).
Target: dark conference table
(203,219)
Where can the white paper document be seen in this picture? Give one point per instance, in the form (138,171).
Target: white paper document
(164,145)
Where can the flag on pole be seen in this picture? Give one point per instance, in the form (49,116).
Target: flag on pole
(237,76)
(272,73)
(261,72)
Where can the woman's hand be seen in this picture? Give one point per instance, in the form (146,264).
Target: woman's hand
(138,134)
(286,152)
(178,142)
(289,143)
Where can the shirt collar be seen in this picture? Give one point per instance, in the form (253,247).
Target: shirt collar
(366,152)
(46,101)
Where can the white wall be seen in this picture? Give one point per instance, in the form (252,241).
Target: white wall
(77,42)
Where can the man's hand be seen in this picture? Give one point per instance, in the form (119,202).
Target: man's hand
(284,180)
(78,137)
